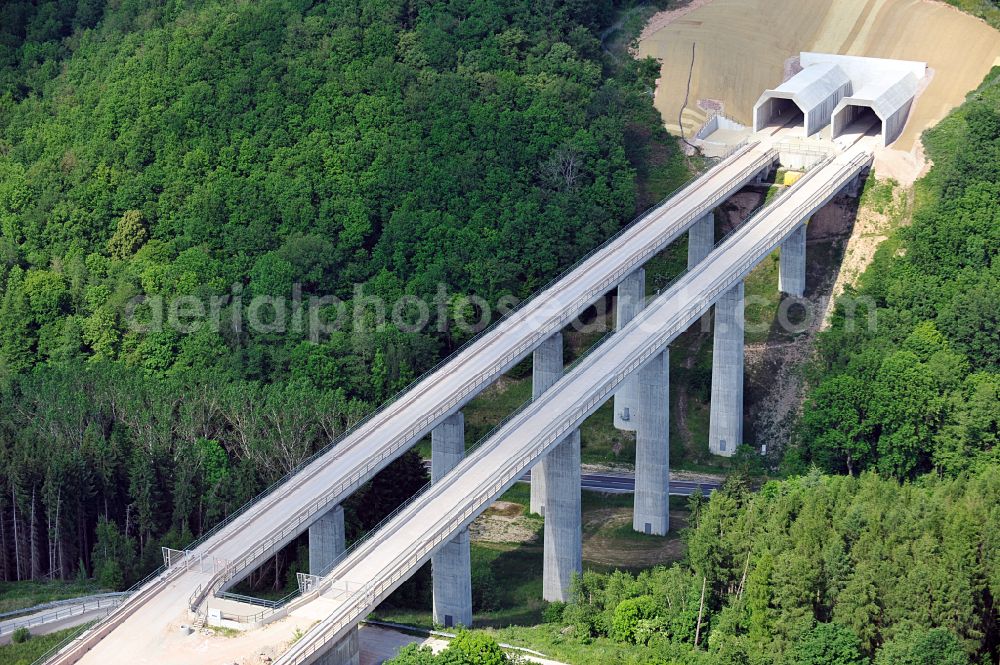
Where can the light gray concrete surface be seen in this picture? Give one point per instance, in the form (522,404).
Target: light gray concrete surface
(792,263)
(814,92)
(345,651)
(701,239)
(141,625)
(326,541)
(557,496)
(451,566)
(447,445)
(651,510)
(725,427)
(885,87)
(631,300)
(546,369)
(563,534)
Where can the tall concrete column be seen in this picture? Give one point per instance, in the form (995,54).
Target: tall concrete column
(346,651)
(650,513)
(631,300)
(451,566)
(701,239)
(546,369)
(326,541)
(792,263)
(725,429)
(563,544)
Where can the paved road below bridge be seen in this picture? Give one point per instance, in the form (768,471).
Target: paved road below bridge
(623,482)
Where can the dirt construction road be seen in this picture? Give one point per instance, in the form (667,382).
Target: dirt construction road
(741,47)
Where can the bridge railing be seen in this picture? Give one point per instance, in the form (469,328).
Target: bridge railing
(515,469)
(363,472)
(358,427)
(308,582)
(60,609)
(371,592)
(130,598)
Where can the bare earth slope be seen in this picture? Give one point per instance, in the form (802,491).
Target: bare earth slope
(741,47)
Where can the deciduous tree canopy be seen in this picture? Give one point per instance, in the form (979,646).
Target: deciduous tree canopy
(921,389)
(206,153)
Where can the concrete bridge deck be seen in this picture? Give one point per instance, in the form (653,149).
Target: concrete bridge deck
(143,620)
(373,570)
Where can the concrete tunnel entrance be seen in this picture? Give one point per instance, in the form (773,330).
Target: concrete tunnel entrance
(858,119)
(779,112)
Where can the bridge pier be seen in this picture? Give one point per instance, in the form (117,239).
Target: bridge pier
(631,300)
(546,369)
(326,541)
(563,535)
(792,263)
(346,651)
(650,513)
(451,566)
(725,429)
(701,239)
(856,185)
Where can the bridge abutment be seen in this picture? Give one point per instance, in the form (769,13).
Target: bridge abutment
(563,535)
(725,430)
(546,369)
(650,513)
(701,239)
(792,263)
(451,566)
(631,300)
(326,541)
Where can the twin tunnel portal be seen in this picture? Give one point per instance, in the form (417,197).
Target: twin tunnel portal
(630,367)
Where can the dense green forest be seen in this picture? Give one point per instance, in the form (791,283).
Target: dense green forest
(920,390)
(219,151)
(816,570)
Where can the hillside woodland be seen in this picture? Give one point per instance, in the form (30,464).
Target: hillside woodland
(214,152)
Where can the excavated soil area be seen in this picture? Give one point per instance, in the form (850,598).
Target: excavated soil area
(741,48)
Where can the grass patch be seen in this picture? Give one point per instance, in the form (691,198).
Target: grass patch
(879,195)
(625,532)
(772,191)
(548,639)
(761,299)
(223,631)
(520,493)
(28,652)
(22,595)
(602,443)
